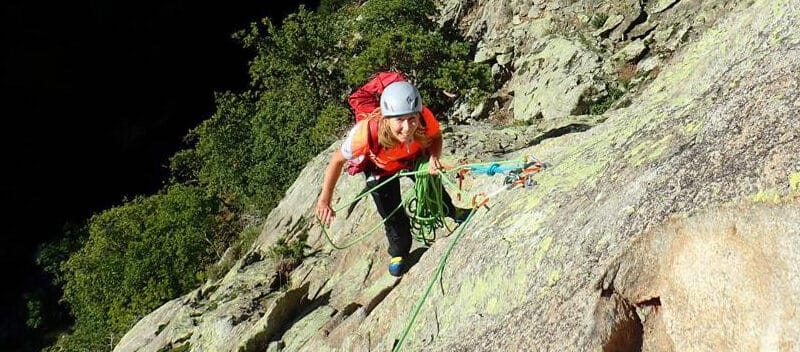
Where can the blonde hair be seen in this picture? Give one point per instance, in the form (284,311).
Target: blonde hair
(386,137)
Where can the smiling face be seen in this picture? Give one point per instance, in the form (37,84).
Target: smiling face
(403,127)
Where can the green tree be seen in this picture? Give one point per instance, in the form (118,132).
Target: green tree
(223,149)
(137,256)
(400,34)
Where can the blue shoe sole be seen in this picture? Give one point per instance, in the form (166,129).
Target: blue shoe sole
(396,269)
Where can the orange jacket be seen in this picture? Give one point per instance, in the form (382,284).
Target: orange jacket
(392,160)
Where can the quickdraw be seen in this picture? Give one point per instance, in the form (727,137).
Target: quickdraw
(523,176)
(515,175)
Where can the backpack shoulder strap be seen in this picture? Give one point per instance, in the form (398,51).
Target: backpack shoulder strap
(372,136)
(428,112)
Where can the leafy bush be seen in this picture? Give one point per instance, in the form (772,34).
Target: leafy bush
(293,250)
(223,147)
(604,103)
(400,34)
(137,256)
(599,20)
(288,254)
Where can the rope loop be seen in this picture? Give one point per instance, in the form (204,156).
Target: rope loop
(495,168)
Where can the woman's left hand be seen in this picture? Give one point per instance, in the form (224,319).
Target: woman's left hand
(434,165)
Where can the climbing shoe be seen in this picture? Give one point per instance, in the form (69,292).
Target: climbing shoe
(396,266)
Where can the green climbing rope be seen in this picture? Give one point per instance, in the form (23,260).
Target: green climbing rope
(426,210)
(436,275)
(356,199)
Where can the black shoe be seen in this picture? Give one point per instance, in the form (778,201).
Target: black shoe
(396,266)
(460,215)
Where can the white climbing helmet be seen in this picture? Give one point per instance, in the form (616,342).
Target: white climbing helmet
(400,98)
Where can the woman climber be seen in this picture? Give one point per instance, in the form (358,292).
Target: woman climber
(406,132)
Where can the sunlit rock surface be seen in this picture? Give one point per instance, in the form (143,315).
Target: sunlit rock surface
(669,222)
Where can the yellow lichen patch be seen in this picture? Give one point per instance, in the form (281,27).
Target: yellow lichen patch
(509,215)
(532,202)
(493,306)
(581,165)
(794,181)
(542,250)
(649,151)
(675,86)
(491,292)
(552,280)
(692,127)
(577,171)
(768,196)
(544,291)
(478,291)
(526,223)
(554,275)
(558,252)
(602,242)
(513,236)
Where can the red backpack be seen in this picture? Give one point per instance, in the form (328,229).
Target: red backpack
(367,98)
(364,101)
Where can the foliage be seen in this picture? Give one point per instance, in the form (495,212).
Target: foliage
(288,254)
(137,256)
(604,103)
(331,6)
(381,16)
(305,51)
(223,147)
(35,314)
(257,142)
(241,160)
(50,256)
(400,34)
(599,20)
(236,250)
(289,249)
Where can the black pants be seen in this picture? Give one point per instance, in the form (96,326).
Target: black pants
(398,228)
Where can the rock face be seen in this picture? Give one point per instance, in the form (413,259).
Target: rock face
(668,224)
(724,280)
(554,58)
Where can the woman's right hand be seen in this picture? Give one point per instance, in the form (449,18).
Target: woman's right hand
(332,172)
(325,213)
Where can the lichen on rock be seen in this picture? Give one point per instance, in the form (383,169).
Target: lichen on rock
(654,228)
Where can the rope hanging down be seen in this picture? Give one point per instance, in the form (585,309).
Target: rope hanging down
(514,176)
(426,211)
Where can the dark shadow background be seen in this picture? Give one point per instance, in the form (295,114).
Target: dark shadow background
(96,96)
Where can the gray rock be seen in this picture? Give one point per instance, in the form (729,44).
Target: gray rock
(611,22)
(555,82)
(661,5)
(654,228)
(630,52)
